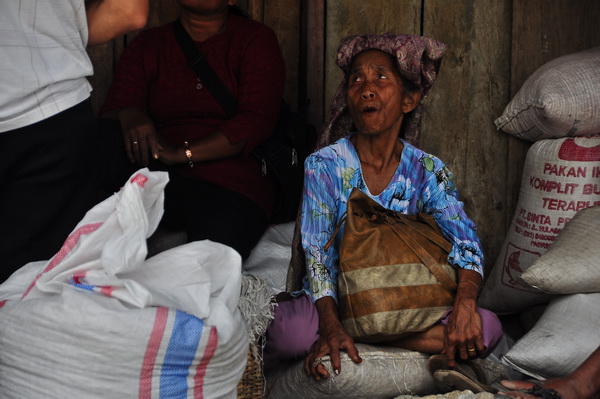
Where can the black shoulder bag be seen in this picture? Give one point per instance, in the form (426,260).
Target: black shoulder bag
(282,155)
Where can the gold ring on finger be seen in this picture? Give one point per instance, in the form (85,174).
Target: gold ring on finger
(471,349)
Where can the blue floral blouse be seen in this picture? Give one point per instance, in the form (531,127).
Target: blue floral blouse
(422,183)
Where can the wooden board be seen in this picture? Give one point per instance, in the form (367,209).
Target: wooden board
(352,17)
(543,30)
(312,78)
(256,9)
(283,16)
(473,87)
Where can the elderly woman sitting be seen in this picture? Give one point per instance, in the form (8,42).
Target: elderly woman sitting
(385,79)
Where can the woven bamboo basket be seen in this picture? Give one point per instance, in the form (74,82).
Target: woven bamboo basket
(252,384)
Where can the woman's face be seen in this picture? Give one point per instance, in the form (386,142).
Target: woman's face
(376,97)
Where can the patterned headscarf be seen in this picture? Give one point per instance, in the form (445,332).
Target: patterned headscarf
(418,59)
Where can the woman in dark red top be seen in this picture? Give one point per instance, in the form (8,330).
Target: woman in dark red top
(162,104)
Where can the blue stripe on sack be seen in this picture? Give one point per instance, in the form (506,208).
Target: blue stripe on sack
(187,331)
(86,287)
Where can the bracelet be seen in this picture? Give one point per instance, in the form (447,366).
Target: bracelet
(188,154)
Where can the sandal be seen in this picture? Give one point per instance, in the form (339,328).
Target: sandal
(537,391)
(465,376)
(544,393)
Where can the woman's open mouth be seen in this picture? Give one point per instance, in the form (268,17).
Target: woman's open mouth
(369,110)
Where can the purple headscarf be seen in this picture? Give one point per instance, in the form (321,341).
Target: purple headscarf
(418,59)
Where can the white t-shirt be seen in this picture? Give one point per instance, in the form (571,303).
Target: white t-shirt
(43,62)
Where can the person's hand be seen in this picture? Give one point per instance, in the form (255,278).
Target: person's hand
(564,387)
(464,334)
(139,136)
(171,155)
(331,341)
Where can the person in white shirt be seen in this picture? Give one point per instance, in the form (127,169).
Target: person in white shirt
(47,128)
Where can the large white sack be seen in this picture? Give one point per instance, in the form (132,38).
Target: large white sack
(572,264)
(99,320)
(565,335)
(385,372)
(78,345)
(561,98)
(561,177)
(270,258)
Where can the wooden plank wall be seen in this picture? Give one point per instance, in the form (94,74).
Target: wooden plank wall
(473,88)
(493,46)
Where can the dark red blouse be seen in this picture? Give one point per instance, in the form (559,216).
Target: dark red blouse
(153,75)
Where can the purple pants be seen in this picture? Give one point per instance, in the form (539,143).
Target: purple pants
(295,328)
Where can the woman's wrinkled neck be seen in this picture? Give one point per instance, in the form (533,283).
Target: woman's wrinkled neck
(378,151)
(202,27)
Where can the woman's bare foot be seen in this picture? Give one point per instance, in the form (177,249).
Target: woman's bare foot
(565,387)
(583,383)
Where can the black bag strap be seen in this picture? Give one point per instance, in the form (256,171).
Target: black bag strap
(207,75)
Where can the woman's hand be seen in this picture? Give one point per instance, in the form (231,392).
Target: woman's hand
(330,343)
(171,155)
(464,333)
(332,339)
(139,136)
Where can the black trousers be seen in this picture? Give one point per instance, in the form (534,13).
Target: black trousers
(47,184)
(209,212)
(203,210)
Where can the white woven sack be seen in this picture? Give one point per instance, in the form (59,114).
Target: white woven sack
(561,177)
(270,258)
(99,320)
(385,372)
(561,340)
(572,264)
(561,98)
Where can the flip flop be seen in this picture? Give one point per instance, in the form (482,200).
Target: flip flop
(544,393)
(452,380)
(466,375)
(537,391)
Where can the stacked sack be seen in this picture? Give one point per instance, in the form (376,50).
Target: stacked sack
(567,332)
(99,320)
(552,245)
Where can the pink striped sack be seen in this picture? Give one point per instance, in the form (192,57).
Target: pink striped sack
(98,320)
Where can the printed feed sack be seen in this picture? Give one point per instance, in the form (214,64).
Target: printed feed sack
(561,177)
